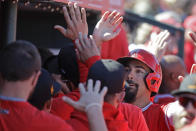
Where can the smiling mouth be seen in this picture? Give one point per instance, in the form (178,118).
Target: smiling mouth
(189,118)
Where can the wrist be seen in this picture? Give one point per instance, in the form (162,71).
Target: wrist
(93,107)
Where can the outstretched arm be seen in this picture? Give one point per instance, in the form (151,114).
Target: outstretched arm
(91,102)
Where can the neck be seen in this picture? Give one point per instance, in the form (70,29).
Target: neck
(142,102)
(16,89)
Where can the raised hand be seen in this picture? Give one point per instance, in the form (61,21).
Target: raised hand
(76,21)
(86,47)
(193,37)
(193,68)
(193,71)
(106,28)
(158,44)
(91,96)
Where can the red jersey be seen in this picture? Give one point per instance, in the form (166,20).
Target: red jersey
(113,117)
(156,117)
(62,109)
(189,51)
(163,99)
(21,116)
(134,117)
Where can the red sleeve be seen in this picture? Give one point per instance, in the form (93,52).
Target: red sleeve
(115,48)
(62,109)
(189,55)
(83,68)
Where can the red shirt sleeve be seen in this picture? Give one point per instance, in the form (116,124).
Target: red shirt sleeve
(62,109)
(189,55)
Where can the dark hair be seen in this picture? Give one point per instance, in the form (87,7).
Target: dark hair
(19,60)
(45,54)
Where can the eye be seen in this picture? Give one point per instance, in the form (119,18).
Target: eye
(140,71)
(127,69)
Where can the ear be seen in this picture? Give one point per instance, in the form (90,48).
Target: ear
(47,105)
(35,78)
(174,77)
(121,97)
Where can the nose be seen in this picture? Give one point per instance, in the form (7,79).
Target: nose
(130,75)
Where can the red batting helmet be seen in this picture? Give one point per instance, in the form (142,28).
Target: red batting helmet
(154,78)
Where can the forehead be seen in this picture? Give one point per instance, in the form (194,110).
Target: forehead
(136,63)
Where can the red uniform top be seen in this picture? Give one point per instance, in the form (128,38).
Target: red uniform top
(62,109)
(156,117)
(189,51)
(21,116)
(164,99)
(134,117)
(113,117)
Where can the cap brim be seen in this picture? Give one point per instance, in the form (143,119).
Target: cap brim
(178,92)
(57,87)
(123,60)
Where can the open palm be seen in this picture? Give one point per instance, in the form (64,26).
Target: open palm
(106,28)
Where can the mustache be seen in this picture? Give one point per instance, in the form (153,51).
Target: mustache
(128,82)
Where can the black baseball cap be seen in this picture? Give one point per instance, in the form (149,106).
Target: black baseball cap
(111,74)
(188,86)
(46,87)
(65,63)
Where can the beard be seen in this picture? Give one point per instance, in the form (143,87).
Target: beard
(131,90)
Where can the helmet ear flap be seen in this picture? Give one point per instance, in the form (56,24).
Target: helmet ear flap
(153,81)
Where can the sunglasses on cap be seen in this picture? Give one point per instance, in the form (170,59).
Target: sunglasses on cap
(184,101)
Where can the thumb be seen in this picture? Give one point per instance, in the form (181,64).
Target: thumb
(69,101)
(61,29)
(193,69)
(109,36)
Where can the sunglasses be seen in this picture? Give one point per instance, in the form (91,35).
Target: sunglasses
(184,101)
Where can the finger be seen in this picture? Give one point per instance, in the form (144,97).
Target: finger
(193,69)
(78,45)
(97,86)
(83,15)
(86,41)
(78,55)
(119,21)
(193,37)
(92,41)
(104,91)
(180,78)
(164,38)
(82,89)
(90,85)
(82,41)
(108,37)
(77,10)
(67,17)
(61,29)
(105,16)
(69,101)
(115,18)
(72,13)
(111,16)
